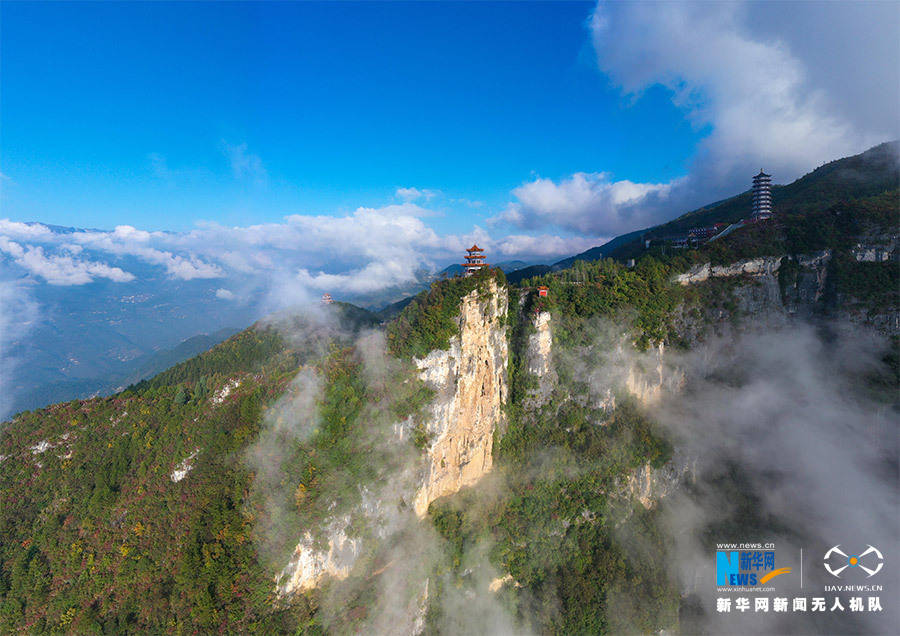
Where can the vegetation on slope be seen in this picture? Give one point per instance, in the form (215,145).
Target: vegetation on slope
(608,289)
(838,227)
(429,321)
(865,175)
(95,536)
(96,533)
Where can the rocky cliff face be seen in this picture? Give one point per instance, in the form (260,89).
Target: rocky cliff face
(338,547)
(649,485)
(310,565)
(753,267)
(470,380)
(773,289)
(538,356)
(647,378)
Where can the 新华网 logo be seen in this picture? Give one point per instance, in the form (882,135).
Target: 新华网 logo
(836,561)
(736,568)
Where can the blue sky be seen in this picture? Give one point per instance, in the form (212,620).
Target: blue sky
(117,114)
(343,147)
(228,160)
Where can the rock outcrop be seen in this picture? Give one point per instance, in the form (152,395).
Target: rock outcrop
(334,550)
(539,358)
(876,248)
(766,265)
(470,380)
(309,565)
(773,290)
(647,377)
(649,485)
(540,343)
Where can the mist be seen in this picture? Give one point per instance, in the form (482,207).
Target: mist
(18,311)
(794,432)
(397,565)
(790,432)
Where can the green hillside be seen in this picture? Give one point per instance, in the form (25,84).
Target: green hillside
(96,536)
(869,174)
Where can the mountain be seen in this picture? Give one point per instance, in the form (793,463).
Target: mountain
(518,275)
(34,390)
(487,460)
(162,360)
(602,251)
(870,173)
(83,338)
(283,480)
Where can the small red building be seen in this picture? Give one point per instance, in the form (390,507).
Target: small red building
(542,291)
(327,299)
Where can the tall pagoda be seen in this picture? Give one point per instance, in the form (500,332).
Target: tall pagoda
(762,196)
(474,260)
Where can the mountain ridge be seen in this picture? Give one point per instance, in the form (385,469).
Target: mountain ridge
(302,440)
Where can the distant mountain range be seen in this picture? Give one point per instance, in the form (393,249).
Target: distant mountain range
(96,338)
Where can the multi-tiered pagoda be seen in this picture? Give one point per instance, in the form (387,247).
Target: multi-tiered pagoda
(474,260)
(762,196)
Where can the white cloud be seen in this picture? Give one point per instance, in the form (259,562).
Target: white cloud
(128,241)
(412,194)
(14,229)
(545,245)
(588,203)
(751,90)
(760,90)
(360,254)
(245,164)
(18,313)
(58,269)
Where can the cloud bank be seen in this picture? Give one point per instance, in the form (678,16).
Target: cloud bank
(18,313)
(787,420)
(758,86)
(357,254)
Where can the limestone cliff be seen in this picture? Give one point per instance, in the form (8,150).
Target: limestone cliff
(647,377)
(538,356)
(338,548)
(649,485)
(310,565)
(471,388)
(771,290)
(753,267)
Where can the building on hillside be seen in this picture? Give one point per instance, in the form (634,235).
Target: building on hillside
(700,235)
(695,237)
(542,291)
(327,299)
(474,260)
(762,197)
